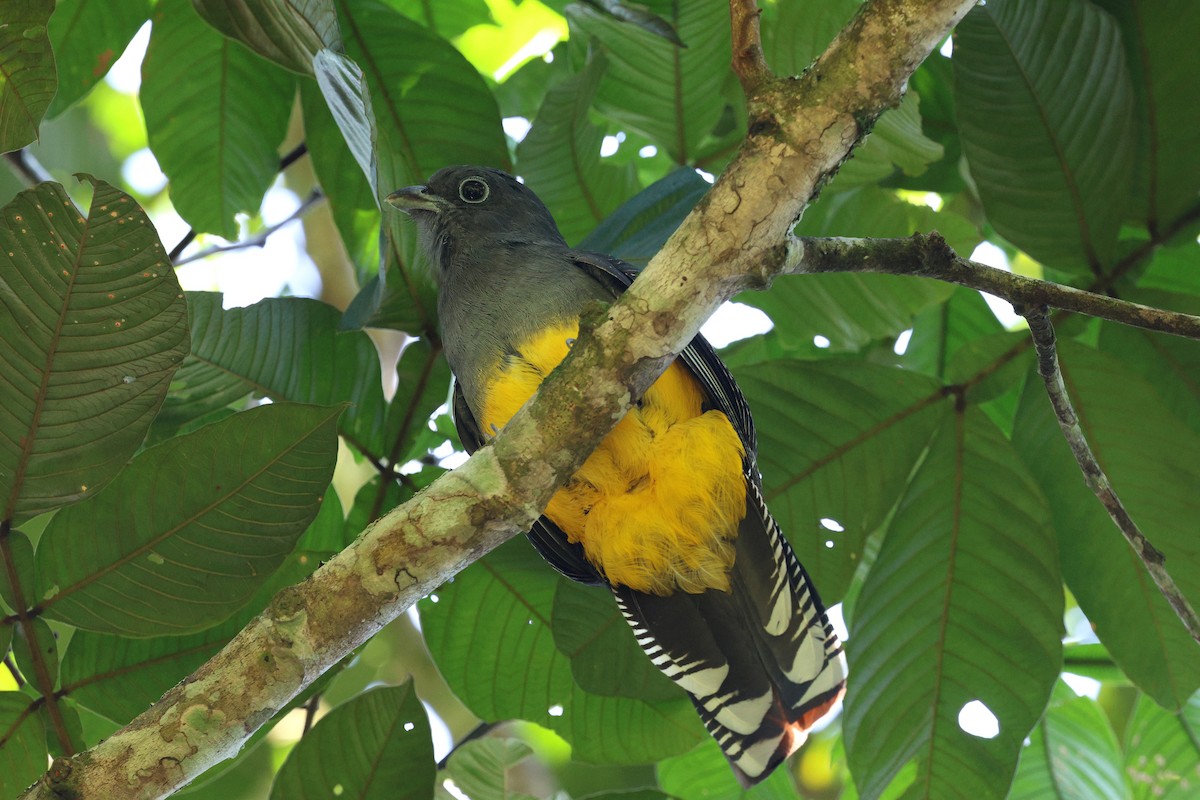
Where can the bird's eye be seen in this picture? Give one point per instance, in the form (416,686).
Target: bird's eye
(473,190)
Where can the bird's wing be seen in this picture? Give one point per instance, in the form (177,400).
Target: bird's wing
(547,538)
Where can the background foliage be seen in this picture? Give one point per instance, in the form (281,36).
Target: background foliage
(1003,640)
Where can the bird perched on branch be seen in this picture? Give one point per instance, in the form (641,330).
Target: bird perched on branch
(668,512)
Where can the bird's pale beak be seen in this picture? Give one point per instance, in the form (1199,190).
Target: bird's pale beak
(415,198)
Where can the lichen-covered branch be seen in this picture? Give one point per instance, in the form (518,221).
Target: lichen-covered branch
(1042,331)
(801,130)
(928,256)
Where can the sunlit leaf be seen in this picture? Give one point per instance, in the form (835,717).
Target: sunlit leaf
(95,326)
(88,37)
(1162,751)
(560,157)
(375,746)
(450,18)
(483,767)
(215,116)
(288,32)
(1154,468)
(348,104)
(1054,177)
(192,527)
(22,743)
(27,75)
(966,583)
(490,633)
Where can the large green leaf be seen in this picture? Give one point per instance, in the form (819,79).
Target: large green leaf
(896,143)
(642,225)
(88,36)
(939,332)
(22,743)
(1072,754)
(192,527)
(450,18)
(1054,175)
(36,655)
(93,326)
(671,94)
(796,32)
(284,348)
(560,157)
(118,677)
(27,74)
(1162,750)
(965,588)
(484,768)
(1154,466)
(1164,60)
(837,442)
(704,774)
(423,384)
(375,747)
(490,633)
(215,116)
(288,32)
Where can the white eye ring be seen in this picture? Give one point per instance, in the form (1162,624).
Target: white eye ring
(469,189)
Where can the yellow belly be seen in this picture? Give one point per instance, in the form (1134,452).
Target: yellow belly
(657,505)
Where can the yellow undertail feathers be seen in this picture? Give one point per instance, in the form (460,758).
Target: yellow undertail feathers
(657,505)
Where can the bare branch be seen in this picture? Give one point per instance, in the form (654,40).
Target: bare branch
(748,61)
(928,256)
(1042,331)
(26,167)
(259,239)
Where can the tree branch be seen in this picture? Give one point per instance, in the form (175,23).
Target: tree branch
(748,60)
(1042,331)
(928,256)
(802,130)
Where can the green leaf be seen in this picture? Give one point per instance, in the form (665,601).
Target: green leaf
(1155,473)
(347,103)
(1164,61)
(490,633)
(18,552)
(46,646)
(605,658)
(284,348)
(560,157)
(639,15)
(1055,176)
(422,384)
(1072,753)
(88,36)
(187,533)
(375,746)
(1162,750)
(215,116)
(641,226)
(966,583)
(837,442)
(704,774)
(670,94)
(484,768)
(449,18)
(940,331)
(288,32)
(22,744)
(896,142)
(28,78)
(796,32)
(95,327)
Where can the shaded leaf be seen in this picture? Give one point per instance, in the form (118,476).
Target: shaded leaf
(46,647)
(95,327)
(704,774)
(28,78)
(192,527)
(966,582)
(670,94)
(348,104)
(559,158)
(490,633)
(639,15)
(215,116)
(88,37)
(19,553)
(375,746)
(22,744)
(1072,753)
(796,32)
(422,384)
(288,32)
(895,143)
(1155,473)
(1054,178)
(940,331)
(641,226)
(1162,750)
(484,767)
(837,442)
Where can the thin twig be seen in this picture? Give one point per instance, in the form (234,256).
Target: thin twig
(310,712)
(928,256)
(478,732)
(27,167)
(749,63)
(1042,331)
(12,669)
(258,240)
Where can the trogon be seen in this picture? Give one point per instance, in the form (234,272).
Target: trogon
(668,512)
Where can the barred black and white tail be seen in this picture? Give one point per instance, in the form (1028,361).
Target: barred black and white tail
(760,662)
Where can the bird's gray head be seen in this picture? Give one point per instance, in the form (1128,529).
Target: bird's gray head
(468,207)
